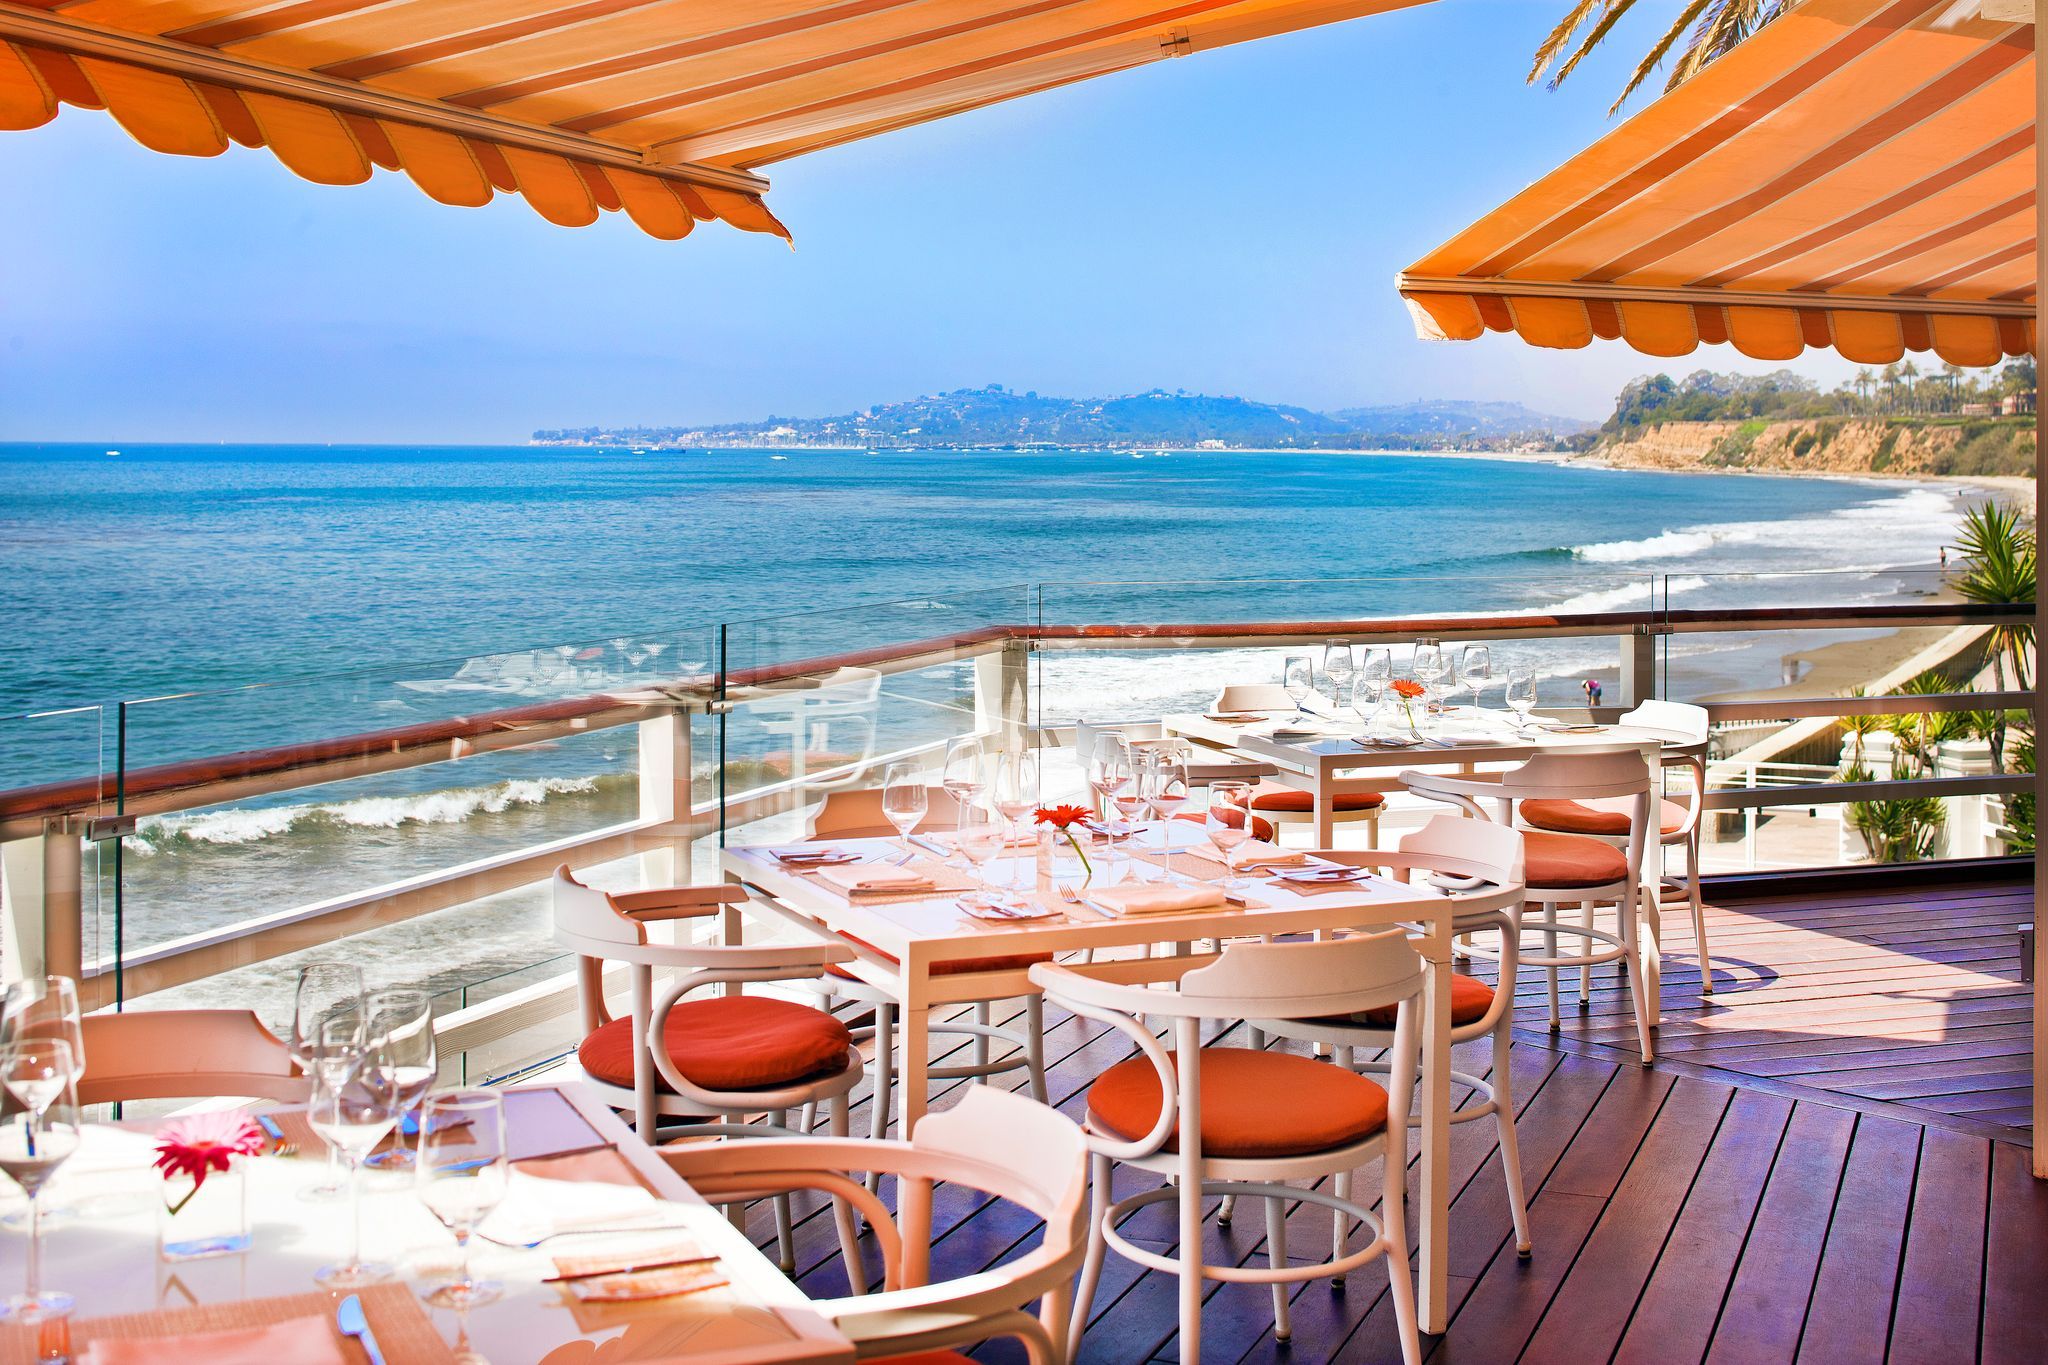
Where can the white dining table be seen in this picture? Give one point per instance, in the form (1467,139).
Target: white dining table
(901,943)
(586,1165)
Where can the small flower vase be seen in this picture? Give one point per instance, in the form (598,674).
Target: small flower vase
(1075,866)
(211,1218)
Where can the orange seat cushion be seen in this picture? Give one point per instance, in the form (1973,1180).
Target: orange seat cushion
(1254,1104)
(1262,828)
(1553,861)
(1602,815)
(1016,963)
(1471,998)
(1276,796)
(738,1042)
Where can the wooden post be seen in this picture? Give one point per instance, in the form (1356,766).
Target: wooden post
(45,903)
(1002,693)
(1638,668)
(665,796)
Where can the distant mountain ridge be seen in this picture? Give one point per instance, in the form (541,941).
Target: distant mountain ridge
(996,417)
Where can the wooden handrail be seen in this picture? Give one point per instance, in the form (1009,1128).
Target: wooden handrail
(94,795)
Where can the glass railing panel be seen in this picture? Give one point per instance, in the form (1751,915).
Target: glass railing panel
(59,884)
(819,704)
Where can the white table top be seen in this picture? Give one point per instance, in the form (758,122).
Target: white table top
(1474,735)
(106,1255)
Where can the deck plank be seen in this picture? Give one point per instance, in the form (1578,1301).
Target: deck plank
(1850,1317)
(1935,1315)
(2015,1326)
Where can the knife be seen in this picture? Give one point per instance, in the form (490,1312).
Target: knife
(269,1126)
(666,1263)
(928,846)
(349,1318)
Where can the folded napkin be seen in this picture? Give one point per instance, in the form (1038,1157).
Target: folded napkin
(302,1341)
(870,877)
(1156,899)
(649,1284)
(585,1195)
(1027,837)
(810,854)
(1252,854)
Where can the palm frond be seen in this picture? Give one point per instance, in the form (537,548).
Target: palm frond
(1561,36)
(1656,54)
(1615,10)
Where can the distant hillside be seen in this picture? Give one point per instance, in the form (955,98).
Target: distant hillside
(1003,418)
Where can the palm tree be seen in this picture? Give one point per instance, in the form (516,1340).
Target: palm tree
(1864,380)
(1717,26)
(1910,372)
(1954,375)
(1891,386)
(1998,555)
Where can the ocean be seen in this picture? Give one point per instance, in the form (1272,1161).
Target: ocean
(243,597)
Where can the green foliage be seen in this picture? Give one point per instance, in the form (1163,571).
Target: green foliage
(2019,806)
(1999,569)
(1989,447)
(1897,831)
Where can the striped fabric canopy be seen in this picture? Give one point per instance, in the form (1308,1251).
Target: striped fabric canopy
(660,108)
(1859,175)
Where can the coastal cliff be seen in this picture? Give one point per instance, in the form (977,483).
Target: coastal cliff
(1829,445)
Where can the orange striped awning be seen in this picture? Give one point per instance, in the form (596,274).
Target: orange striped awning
(1859,175)
(661,109)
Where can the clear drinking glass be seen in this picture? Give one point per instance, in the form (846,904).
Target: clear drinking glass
(41,1076)
(1475,670)
(964,776)
(1127,774)
(407,1062)
(324,990)
(1429,666)
(1298,677)
(1109,770)
(905,800)
(1368,702)
(461,1175)
(1166,792)
(1522,695)
(979,840)
(1016,787)
(44,1007)
(352,1114)
(1337,668)
(1228,824)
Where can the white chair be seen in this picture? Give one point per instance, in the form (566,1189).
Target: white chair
(712,1062)
(1239,1121)
(1571,869)
(993,1142)
(857,814)
(1483,856)
(1678,821)
(185,1054)
(1204,764)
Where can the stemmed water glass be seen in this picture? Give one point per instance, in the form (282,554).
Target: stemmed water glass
(963,776)
(1016,789)
(1109,770)
(1429,667)
(1337,668)
(1128,769)
(39,1008)
(1475,669)
(978,840)
(1522,695)
(461,1175)
(905,801)
(1229,825)
(352,1112)
(1368,702)
(1166,791)
(41,1075)
(407,1063)
(324,990)
(1298,677)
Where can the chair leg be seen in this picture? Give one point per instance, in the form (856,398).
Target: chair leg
(1503,1082)
(785,1227)
(1226,1210)
(1699,914)
(1550,974)
(885,1080)
(1586,972)
(1101,1195)
(839,1121)
(982,1016)
(1276,1257)
(1340,1185)
(1034,1045)
(1191,1279)
(1638,986)
(1394,1213)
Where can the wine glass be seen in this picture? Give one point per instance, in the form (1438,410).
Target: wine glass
(905,800)
(44,1007)
(1229,825)
(962,776)
(1298,677)
(352,1113)
(324,989)
(1522,695)
(1016,787)
(1109,768)
(1429,666)
(1166,792)
(1475,669)
(978,840)
(41,1076)
(1337,668)
(461,1175)
(1368,701)
(401,1019)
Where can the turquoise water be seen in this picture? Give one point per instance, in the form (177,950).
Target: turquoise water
(243,598)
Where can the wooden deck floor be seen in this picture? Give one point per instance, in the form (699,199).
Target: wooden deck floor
(1686,1211)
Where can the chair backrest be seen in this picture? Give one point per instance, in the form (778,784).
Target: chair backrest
(1254,697)
(1494,848)
(585,913)
(1685,723)
(1136,733)
(857,814)
(185,1054)
(1578,774)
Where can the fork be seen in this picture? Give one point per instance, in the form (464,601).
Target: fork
(572,1232)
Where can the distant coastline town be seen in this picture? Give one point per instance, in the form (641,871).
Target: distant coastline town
(1901,421)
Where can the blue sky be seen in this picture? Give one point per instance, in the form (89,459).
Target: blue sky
(1230,223)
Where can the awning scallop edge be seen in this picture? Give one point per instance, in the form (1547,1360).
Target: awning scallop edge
(176,114)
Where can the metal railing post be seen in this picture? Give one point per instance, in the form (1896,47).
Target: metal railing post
(1638,667)
(665,796)
(1002,694)
(43,880)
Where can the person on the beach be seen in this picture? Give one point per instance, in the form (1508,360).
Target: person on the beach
(1944,558)
(1591,687)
